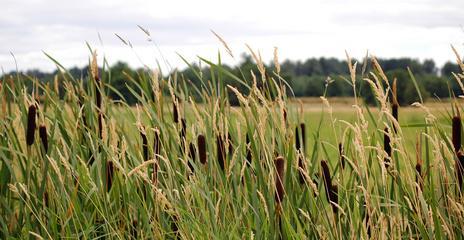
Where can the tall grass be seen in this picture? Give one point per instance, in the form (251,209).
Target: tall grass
(256,175)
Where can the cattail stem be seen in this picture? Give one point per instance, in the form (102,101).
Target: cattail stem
(31,125)
(201,142)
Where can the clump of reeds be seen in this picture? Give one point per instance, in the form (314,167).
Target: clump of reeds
(221,151)
(31,124)
(201,142)
(387,147)
(43,137)
(331,190)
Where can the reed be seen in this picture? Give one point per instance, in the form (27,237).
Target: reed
(201,142)
(330,189)
(43,137)
(31,125)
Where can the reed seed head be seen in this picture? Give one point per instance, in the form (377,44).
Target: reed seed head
(31,124)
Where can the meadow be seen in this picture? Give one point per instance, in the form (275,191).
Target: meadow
(75,164)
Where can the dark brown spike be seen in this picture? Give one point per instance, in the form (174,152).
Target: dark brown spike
(303,136)
(341,154)
(221,151)
(144,145)
(175,110)
(284,114)
(297,139)
(156,152)
(456,132)
(460,169)
(109,175)
(182,134)
(201,142)
(248,150)
(43,137)
(100,125)
(330,189)
(387,147)
(192,156)
(31,124)
(279,163)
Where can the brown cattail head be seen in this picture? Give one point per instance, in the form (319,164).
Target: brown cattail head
(248,150)
(297,139)
(456,134)
(395,104)
(43,137)
(109,175)
(31,125)
(387,147)
(201,142)
(341,154)
(284,113)
(460,169)
(192,156)
(221,151)
(144,144)
(279,163)
(175,110)
(303,136)
(330,189)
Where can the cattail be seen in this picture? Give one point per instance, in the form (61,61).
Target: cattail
(460,168)
(31,125)
(456,134)
(192,156)
(156,152)
(221,151)
(418,163)
(109,175)
(201,142)
(284,113)
(231,146)
(175,110)
(279,163)
(144,144)
(300,146)
(342,156)
(43,137)
(248,150)
(183,132)
(395,104)
(387,147)
(331,190)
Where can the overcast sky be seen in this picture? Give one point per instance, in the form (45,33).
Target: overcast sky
(300,29)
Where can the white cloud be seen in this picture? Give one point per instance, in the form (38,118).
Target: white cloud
(301,29)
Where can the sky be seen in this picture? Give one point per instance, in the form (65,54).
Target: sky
(422,29)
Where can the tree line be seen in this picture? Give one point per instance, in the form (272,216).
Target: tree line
(310,78)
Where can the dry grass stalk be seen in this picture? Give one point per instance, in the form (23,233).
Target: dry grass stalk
(31,124)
